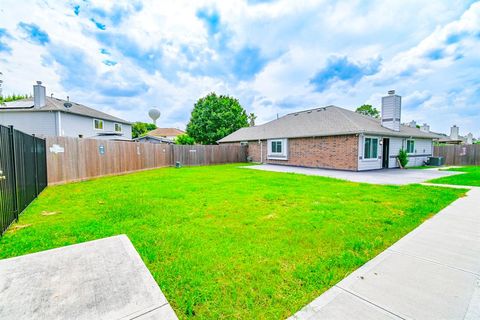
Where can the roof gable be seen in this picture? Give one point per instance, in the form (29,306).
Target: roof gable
(55,104)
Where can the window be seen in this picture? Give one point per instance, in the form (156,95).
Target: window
(410,146)
(98,124)
(277,149)
(118,127)
(370,148)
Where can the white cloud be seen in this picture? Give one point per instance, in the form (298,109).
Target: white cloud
(169,56)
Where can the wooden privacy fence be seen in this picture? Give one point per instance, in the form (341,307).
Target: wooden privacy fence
(76,159)
(459,155)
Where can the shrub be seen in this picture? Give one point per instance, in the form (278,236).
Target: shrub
(403,158)
(184,139)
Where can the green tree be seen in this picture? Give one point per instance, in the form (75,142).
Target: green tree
(140,129)
(214,117)
(368,110)
(14,97)
(184,139)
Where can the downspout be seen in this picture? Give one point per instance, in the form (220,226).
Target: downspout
(59,123)
(261,150)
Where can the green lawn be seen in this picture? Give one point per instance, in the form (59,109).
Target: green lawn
(224,242)
(470,178)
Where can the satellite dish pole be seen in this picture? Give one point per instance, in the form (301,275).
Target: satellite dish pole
(154,114)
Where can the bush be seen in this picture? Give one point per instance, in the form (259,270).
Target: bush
(403,157)
(184,139)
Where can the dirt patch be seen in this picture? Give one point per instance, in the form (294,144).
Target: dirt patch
(49,213)
(17,227)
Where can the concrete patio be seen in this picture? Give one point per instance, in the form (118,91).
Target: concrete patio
(385,176)
(101,279)
(431,273)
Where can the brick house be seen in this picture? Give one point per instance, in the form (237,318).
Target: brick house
(337,138)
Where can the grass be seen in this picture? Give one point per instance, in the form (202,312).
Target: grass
(224,242)
(471,177)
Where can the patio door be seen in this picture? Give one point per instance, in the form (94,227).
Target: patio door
(386,152)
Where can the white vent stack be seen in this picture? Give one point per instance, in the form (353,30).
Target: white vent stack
(39,95)
(454,135)
(412,124)
(391,111)
(469,138)
(425,128)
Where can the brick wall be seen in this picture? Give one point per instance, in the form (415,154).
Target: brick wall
(335,152)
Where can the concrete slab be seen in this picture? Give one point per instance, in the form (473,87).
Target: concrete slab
(101,279)
(431,273)
(338,304)
(386,176)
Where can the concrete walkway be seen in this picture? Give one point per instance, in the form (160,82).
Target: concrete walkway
(431,273)
(101,279)
(386,176)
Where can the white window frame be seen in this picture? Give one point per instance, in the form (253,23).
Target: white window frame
(277,155)
(115,127)
(406,146)
(95,127)
(363,148)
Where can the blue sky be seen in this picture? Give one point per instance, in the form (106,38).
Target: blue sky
(125,57)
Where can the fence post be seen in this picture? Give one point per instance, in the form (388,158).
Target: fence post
(14,170)
(36,163)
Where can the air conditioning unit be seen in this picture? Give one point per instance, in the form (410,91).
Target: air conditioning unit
(436,161)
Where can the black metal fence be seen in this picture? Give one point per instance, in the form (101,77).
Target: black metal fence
(23,172)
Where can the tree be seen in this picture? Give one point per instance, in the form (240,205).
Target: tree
(251,119)
(14,97)
(141,128)
(214,117)
(184,139)
(403,158)
(368,110)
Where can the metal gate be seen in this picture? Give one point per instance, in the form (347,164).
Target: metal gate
(23,172)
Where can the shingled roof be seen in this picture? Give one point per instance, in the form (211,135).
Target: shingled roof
(55,104)
(165,132)
(324,121)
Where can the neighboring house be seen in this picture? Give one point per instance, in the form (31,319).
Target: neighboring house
(161,135)
(456,138)
(48,116)
(336,138)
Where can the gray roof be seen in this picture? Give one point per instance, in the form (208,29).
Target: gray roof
(55,104)
(324,121)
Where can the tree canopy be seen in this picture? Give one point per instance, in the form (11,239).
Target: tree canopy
(141,128)
(184,139)
(14,97)
(214,117)
(368,110)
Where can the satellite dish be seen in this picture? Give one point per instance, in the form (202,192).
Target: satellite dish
(154,114)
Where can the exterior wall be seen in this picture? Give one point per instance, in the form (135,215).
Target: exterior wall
(423,150)
(59,123)
(335,152)
(73,125)
(38,123)
(369,164)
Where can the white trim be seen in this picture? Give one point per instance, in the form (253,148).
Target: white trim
(103,124)
(277,155)
(115,127)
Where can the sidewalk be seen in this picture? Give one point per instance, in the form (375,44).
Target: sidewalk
(431,273)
